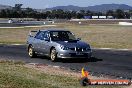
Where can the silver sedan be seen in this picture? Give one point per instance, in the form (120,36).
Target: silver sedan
(57,44)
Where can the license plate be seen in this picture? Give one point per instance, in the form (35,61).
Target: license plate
(79,53)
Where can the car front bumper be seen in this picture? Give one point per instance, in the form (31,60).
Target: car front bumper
(74,54)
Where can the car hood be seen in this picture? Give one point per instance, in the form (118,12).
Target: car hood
(73,43)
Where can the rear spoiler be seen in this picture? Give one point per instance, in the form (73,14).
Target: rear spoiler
(32,33)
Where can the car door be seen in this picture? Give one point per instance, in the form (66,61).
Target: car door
(45,43)
(37,41)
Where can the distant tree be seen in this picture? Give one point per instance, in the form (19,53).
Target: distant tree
(22,14)
(80,16)
(8,13)
(100,14)
(30,13)
(130,12)
(82,12)
(73,14)
(48,13)
(60,13)
(38,16)
(110,13)
(16,14)
(18,7)
(89,13)
(119,14)
(29,10)
(95,14)
(3,13)
(54,14)
(127,15)
(67,15)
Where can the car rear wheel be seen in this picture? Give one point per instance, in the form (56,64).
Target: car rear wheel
(53,55)
(31,52)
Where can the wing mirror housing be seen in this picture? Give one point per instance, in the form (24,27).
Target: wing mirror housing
(46,39)
(78,39)
(30,35)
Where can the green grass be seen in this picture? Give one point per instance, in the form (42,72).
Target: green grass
(16,75)
(99,36)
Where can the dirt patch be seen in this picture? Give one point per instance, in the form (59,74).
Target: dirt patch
(56,70)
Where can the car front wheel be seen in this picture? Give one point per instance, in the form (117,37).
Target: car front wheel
(31,52)
(53,55)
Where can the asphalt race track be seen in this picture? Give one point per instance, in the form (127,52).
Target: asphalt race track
(107,62)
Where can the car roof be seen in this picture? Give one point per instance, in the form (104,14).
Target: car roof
(54,29)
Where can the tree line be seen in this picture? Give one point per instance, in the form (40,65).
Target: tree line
(18,12)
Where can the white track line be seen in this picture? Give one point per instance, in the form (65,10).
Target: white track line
(113,49)
(17,44)
(41,26)
(31,26)
(12,44)
(11,27)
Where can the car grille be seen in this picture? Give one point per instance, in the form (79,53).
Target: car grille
(74,55)
(78,49)
(72,48)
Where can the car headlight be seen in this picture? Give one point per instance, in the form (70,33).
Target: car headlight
(88,48)
(64,47)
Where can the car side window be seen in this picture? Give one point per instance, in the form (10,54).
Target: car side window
(39,35)
(46,35)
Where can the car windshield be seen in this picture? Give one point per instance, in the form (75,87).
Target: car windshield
(62,36)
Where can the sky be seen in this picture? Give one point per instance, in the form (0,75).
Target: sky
(42,4)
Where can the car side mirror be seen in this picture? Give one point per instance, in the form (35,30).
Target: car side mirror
(78,39)
(46,39)
(30,35)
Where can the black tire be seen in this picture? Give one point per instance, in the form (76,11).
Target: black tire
(84,81)
(53,55)
(129,83)
(31,52)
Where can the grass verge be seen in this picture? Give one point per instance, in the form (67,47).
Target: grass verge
(99,36)
(16,75)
